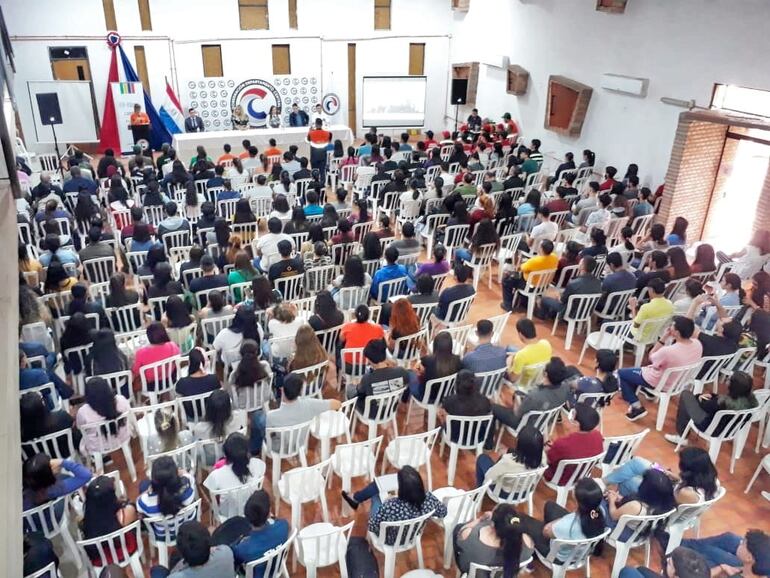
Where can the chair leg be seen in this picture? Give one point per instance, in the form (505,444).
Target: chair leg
(754,477)
(98,463)
(429,471)
(714,447)
(452,464)
(663,401)
(570,333)
(136,566)
(129,460)
(583,351)
(390,562)
(675,535)
(621,555)
(431,417)
(418,547)
(561,495)
(408,413)
(274,488)
(447,548)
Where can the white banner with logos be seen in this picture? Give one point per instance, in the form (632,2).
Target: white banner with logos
(126,95)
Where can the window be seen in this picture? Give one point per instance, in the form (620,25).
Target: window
(417,59)
(382,14)
(281,59)
(293,14)
(212,60)
(109,15)
(144,15)
(141,67)
(253,14)
(751,101)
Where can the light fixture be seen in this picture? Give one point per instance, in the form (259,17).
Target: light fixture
(689,104)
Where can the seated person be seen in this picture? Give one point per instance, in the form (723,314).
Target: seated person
(582,283)
(287,266)
(385,376)
(732,554)
(606,380)
(684,351)
(516,279)
(210,279)
(584,443)
(267,245)
(408,244)
(442,362)
(526,456)
(657,268)
(463,288)
(199,556)
(681,563)
(264,532)
(172,222)
(658,307)
(466,401)
(535,352)
(485,356)
(392,270)
(35,376)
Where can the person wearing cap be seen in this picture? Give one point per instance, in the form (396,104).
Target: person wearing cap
(681,563)
(584,443)
(733,554)
(288,265)
(211,279)
(193,123)
(385,376)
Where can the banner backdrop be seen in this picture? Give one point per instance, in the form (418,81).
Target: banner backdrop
(126,95)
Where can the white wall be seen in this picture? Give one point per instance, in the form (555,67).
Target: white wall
(682,47)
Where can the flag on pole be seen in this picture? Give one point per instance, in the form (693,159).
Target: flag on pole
(108,137)
(171,111)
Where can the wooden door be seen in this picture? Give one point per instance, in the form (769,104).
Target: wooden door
(352,87)
(71,69)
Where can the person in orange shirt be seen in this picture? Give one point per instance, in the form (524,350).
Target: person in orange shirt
(543,261)
(228,156)
(510,124)
(273,150)
(246,146)
(138,117)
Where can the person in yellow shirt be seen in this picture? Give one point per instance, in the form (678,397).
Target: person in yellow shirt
(517,279)
(525,364)
(658,307)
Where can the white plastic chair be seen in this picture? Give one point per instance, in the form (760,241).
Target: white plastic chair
(125,319)
(470,432)
(284,443)
(108,442)
(51,445)
(390,288)
(290,288)
(113,549)
(544,421)
(331,425)
(412,450)
(49,571)
(99,270)
(460,335)
(454,238)
(44,519)
(322,544)
(537,283)
(713,366)
(581,468)
(185,457)
(462,506)
(645,335)
(353,460)
(406,535)
(640,531)
(516,488)
(435,392)
(163,530)
(313,377)
(567,555)
(457,311)
(303,485)
(598,401)
(228,503)
(490,382)
(577,313)
(272,562)
(611,335)
(162,376)
(379,410)
(686,517)
(406,349)
(481,260)
(726,425)
(672,383)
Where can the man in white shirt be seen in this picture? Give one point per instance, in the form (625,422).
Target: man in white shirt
(317,113)
(601,215)
(545,228)
(261,191)
(267,245)
(251,161)
(588,201)
(290,164)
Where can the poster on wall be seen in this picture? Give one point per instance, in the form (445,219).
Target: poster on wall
(126,95)
(215,98)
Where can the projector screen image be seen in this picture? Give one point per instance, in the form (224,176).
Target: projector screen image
(394,101)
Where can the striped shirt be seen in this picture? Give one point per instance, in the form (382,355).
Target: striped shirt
(147,503)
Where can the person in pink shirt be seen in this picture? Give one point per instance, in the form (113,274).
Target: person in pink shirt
(101,404)
(161,347)
(683,351)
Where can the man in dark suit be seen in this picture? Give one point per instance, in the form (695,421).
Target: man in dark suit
(193,123)
(297,116)
(584,283)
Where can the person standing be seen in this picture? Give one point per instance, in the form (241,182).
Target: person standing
(319,139)
(193,123)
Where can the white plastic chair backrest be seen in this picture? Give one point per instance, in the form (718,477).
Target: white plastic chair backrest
(176,239)
(572,554)
(620,449)
(291,440)
(507,228)
(490,382)
(463,507)
(157,306)
(458,310)
(650,330)
(402,535)
(328,338)
(353,365)
(409,210)
(61,321)
(640,528)
(408,260)
(460,335)
(423,312)
(113,548)
(130,342)
(361,229)
(290,288)
(229,503)
(598,401)
(359,458)
(613,334)
(544,420)
(407,348)
(154,214)
(119,381)
(454,235)
(162,374)
(391,287)
(437,389)
(305,484)
(251,398)
(674,380)
(616,304)
(727,424)
(581,307)
(51,445)
(438,281)
(165,529)
(272,562)
(742,360)
(313,378)
(99,270)
(538,281)
(185,457)
(126,318)
(193,407)
(49,393)
(305,305)
(581,468)
(469,432)
(516,488)
(343,251)
(382,407)
(413,450)
(687,514)
(49,571)
(44,518)
(433,221)
(371,266)
(319,278)
(531,375)
(325,546)
(482,255)
(565,275)
(226,208)
(712,365)
(81,352)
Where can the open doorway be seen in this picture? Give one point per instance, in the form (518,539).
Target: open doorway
(737,189)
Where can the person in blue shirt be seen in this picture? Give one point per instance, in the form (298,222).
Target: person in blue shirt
(36,349)
(643,207)
(266,532)
(297,116)
(228,193)
(463,289)
(313,207)
(486,356)
(392,270)
(678,235)
(733,554)
(78,182)
(366,148)
(65,255)
(43,480)
(681,563)
(404,146)
(218,180)
(35,376)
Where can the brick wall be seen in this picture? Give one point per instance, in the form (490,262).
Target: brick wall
(762,220)
(692,171)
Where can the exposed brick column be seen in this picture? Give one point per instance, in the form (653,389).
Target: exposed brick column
(692,172)
(762,220)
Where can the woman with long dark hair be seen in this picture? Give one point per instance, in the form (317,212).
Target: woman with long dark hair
(442,362)
(169,492)
(57,279)
(298,223)
(163,282)
(250,369)
(705,259)
(117,195)
(485,234)
(239,468)
(526,456)
(106,357)
(160,347)
(103,514)
(220,420)
(678,235)
(531,203)
(77,333)
(325,312)
(371,248)
(101,403)
(120,295)
(37,420)
(243,327)
(42,480)
(678,267)
(199,378)
(493,540)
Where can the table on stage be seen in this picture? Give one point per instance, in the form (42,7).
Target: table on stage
(185,143)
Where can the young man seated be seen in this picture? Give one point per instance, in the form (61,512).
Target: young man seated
(584,443)
(516,278)
(463,289)
(199,557)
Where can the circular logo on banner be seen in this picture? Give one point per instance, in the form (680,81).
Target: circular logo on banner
(330,104)
(113,38)
(256,97)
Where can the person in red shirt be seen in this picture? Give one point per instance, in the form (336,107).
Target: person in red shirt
(609,179)
(429,140)
(246,146)
(510,125)
(584,443)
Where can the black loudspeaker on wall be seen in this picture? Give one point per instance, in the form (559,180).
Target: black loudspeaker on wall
(459,90)
(48,105)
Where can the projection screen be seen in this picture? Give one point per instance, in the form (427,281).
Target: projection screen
(394,101)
